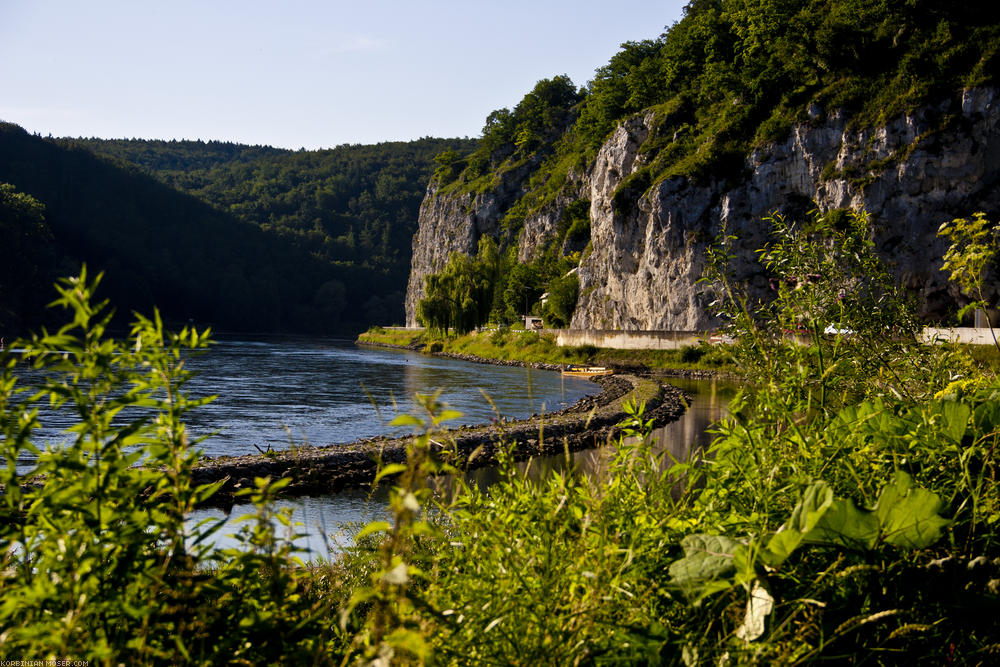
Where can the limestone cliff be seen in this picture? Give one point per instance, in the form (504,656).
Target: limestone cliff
(455,223)
(911,174)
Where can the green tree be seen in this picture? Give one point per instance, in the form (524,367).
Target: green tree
(563,293)
(973,251)
(463,294)
(26,240)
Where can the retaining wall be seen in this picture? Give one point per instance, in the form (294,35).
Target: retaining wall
(629,340)
(970,335)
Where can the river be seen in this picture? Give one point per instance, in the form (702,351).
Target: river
(326,524)
(273,393)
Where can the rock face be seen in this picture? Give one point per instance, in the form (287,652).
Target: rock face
(455,223)
(911,175)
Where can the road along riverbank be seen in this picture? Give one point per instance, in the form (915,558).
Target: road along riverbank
(320,470)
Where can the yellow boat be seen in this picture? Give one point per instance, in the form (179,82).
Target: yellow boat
(588,371)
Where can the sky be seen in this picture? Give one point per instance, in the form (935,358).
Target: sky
(297,73)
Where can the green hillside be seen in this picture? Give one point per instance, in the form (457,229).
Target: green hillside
(732,74)
(243,238)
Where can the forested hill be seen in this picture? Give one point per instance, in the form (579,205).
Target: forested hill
(605,197)
(243,238)
(157,155)
(352,205)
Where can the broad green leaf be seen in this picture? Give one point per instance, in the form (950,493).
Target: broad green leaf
(956,419)
(391,469)
(845,525)
(706,557)
(987,416)
(407,420)
(815,502)
(373,527)
(909,516)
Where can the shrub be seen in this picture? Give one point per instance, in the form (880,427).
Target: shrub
(98,563)
(692,354)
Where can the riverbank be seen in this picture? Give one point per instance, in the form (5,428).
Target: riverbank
(320,470)
(520,347)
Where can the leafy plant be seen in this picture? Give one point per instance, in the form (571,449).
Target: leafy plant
(974,247)
(391,627)
(98,563)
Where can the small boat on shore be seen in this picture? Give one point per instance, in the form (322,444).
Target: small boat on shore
(588,371)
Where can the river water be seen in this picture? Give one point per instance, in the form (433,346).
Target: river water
(321,392)
(275,393)
(326,525)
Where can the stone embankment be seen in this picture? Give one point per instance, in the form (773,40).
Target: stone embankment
(317,470)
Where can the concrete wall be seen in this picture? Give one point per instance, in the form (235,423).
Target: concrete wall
(629,340)
(672,340)
(970,335)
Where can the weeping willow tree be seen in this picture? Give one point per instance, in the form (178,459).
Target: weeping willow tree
(460,297)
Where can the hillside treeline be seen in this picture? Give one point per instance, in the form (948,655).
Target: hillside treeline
(242,238)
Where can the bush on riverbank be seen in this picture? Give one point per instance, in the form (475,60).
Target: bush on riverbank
(97,563)
(848,512)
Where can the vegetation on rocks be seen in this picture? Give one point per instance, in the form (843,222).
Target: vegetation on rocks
(730,77)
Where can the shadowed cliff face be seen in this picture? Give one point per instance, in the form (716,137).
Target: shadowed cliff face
(911,175)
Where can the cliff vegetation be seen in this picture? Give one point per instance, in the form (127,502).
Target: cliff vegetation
(712,109)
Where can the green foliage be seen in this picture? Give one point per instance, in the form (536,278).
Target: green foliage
(505,343)
(540,117)
(28,256)
(98,564)
(253,243)
(914,455)
(972,253)
(732,75)
(834,295)
(859,525)
(392,627)
(561,303)
(461,295)
(449,166)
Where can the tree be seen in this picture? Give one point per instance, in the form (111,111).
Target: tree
(563,293)
(973,250)
(26,238)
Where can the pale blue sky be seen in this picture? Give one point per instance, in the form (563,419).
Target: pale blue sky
(297,73)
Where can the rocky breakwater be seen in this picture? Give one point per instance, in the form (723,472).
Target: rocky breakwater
(318,470)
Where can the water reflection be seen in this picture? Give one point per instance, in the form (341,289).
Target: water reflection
(327,524)
(680,440)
